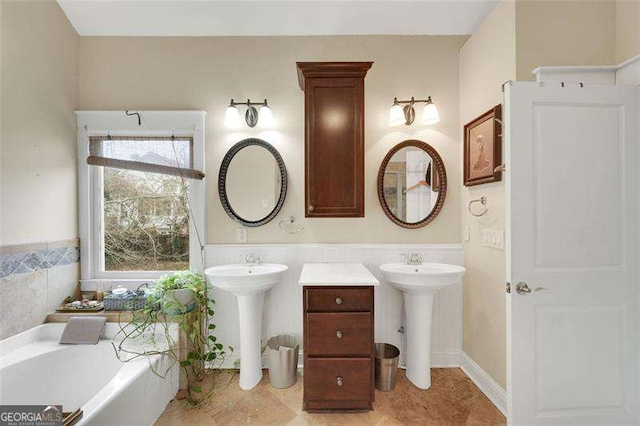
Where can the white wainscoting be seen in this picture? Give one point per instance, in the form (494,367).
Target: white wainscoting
(628,72)
(283,303)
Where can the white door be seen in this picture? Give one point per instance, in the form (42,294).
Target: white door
(572,162)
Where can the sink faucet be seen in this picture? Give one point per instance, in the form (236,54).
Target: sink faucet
(412,258)
(252,259)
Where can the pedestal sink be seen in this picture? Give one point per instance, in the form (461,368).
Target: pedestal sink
(419,283)
(248,283)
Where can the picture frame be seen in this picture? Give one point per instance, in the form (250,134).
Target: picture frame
(483,148)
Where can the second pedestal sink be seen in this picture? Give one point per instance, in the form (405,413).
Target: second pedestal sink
(419,283)
(248,283)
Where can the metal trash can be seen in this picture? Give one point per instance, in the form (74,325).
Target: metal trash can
(386,366)
(283,361)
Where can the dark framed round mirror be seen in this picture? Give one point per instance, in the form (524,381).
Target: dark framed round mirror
(252,182)
(412,184)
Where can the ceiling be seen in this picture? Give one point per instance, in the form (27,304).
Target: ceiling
(270,17)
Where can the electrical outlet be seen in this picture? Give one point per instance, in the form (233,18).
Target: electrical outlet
(242,235)
(493,238)
(466,234)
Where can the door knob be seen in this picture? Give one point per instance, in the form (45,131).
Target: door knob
(523,289)
(339,334)
(311,208)
(339,381)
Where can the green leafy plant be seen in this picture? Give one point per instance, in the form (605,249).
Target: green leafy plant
(148,333)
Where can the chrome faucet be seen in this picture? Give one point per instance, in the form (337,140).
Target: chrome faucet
(412,258)
(252,259)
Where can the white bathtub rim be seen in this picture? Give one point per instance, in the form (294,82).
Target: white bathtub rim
(130,372)
(45,339)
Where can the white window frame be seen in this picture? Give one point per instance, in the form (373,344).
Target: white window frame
(90,190)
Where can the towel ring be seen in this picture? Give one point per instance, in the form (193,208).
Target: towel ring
(290,220)
(482,200)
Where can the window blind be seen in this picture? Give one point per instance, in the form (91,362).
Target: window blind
(169,155)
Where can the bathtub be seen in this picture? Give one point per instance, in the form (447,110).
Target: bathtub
(36,369)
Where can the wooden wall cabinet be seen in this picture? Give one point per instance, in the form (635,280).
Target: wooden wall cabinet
(334,137)
(339,353)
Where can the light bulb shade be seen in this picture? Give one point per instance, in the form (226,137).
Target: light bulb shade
(232,117)
(396,115)
(430,114)
(265,117)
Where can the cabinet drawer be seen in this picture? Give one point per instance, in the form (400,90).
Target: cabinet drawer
(339,334)
(338,379)
(339,299)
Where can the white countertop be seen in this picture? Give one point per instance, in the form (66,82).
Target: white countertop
(347,274)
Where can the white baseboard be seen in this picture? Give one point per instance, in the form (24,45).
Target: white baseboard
(445,359)
(485,383)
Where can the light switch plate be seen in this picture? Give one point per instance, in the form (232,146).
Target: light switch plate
(493,238)
(242,235)
(466,234)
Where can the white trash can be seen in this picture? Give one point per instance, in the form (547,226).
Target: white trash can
(283,360)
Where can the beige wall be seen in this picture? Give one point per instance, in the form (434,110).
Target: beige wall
(487,60)
(563,33)
(516,38)
(627,29)
(204,73)
(39,95)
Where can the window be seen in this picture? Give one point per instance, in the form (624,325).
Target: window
(146,221)
(141,195)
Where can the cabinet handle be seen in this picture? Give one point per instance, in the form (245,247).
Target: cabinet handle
(339,334)
(338,300)
(339,381)
(311,208)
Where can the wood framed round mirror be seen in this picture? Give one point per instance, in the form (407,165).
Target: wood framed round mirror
(252,183)
(412,184)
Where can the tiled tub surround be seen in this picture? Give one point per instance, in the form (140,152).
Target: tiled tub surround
(33,257)
(283,303)
(34,280)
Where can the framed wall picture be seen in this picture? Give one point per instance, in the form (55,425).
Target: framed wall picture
(483,148)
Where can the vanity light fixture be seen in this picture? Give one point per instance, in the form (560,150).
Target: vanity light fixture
(251,116)
(406,114)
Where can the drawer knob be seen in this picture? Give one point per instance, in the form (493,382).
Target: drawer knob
(338,300)
(339,381)
(339,334)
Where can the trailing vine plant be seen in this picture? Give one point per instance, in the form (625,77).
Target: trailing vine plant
(149,333)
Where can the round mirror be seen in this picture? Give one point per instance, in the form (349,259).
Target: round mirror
(412,184)
(252,182)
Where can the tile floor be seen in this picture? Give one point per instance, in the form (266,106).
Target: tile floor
(452,400)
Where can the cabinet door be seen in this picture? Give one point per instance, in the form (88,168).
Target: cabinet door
(334,151)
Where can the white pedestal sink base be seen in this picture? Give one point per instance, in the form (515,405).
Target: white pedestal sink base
(418,308)
(250,308)
(249,283)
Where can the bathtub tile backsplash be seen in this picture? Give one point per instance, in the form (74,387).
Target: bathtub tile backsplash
(62,282)
(30,261)
(34,280)
(8,264)
(23,299)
